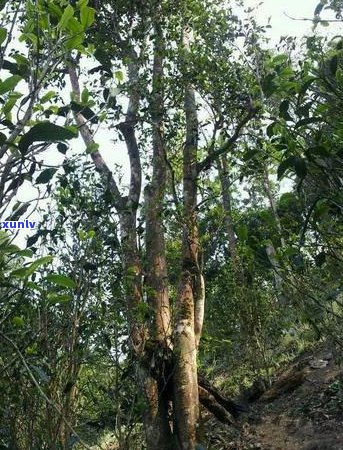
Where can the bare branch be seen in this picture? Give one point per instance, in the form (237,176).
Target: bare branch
(207,162)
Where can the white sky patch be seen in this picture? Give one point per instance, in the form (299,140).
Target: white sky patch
(281,11)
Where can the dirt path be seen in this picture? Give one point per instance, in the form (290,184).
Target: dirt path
(305,416)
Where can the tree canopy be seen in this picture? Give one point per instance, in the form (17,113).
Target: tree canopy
(186,181)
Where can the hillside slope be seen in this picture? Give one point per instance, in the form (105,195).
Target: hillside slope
(303,410)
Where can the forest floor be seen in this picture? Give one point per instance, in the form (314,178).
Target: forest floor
(303,410)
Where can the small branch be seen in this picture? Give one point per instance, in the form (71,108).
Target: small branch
(307,220)
(314,20)
(42,393)
(207,162)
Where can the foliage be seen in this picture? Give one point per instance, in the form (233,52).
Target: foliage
(269,192)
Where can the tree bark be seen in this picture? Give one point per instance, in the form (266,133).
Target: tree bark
(270,249)
(187,332)
(157,427)
(224,176)
(156,271)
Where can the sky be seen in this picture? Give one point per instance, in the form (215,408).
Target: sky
(278,12)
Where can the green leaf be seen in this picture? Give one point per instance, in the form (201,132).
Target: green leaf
(271,129)
(54,10)
(284,166)
(268,85)
(11,67)
(2,138)
(250,154)
(75,28)
(12,248)
(242,232)
(54,298)
(68,13)
(27,253)
(13,97)
(25,272)
(102,56)
(18,321)
(85,111)
(48,96)
(322,208)
(19,273)
(333,65)
(300,167)
(21,60)
(61,280)
(62,148)
(280,59)
(9,84)
(45,176)
(2,4)
(18,210)
(34,286)
(75,43)
(85,95)
(119,75)
(92,148)
(32,240)
(283,109)
(39,262)
(307,121)
(3,35)
(46,132)
(87,16)
(307,84)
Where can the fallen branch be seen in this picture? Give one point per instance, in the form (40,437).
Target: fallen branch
(214,407)
(212,399)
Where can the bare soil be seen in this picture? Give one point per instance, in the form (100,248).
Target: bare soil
(303,410)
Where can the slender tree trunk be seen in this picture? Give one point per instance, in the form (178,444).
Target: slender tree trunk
(187,333)
(270,249)
(157,427)
(224,176)
(269,191)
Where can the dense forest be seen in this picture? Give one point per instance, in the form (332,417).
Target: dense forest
(171,227)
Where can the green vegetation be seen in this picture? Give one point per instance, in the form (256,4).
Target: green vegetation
(221,253)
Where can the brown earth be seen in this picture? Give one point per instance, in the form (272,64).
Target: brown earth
(303,410)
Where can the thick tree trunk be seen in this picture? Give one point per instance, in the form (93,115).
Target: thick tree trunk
(156,271)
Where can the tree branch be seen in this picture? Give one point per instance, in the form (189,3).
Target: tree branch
(128,131)
(207,162)
(229,405)
(88,139)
